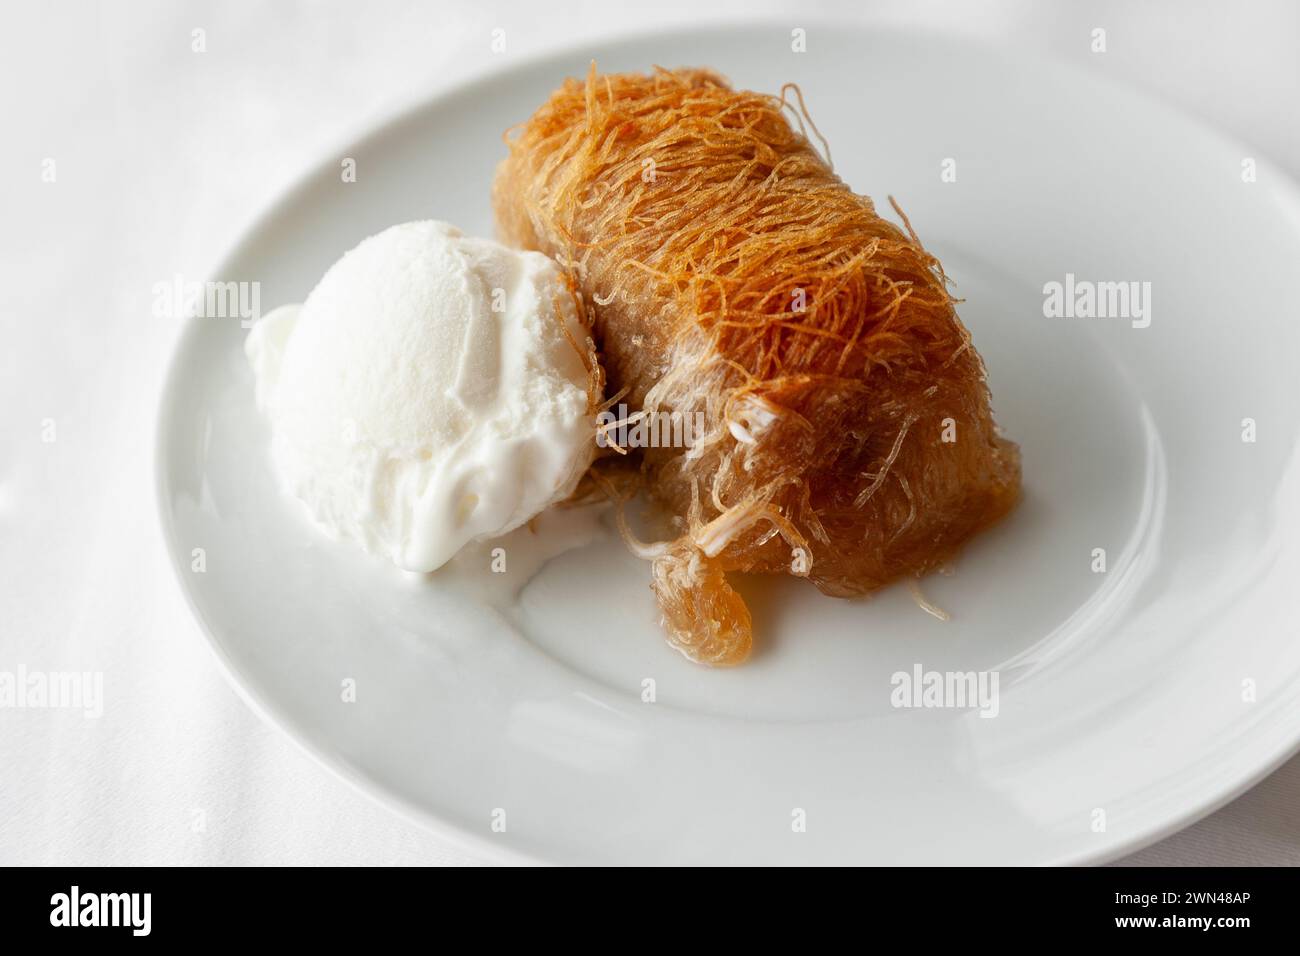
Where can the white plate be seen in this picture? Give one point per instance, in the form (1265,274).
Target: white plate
(1120,692)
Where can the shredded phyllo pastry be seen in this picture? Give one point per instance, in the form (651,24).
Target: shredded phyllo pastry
(728,271)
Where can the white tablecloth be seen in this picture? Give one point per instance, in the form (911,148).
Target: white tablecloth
(161,158)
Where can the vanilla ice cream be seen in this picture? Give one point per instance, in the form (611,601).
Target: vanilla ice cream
(432,391)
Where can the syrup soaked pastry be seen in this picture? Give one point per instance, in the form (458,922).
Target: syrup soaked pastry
(729,272)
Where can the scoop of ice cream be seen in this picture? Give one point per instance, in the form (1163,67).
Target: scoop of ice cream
(431,391)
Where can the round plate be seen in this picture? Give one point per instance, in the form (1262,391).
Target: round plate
(1136,611)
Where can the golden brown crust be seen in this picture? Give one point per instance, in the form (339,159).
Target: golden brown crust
(731,272)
